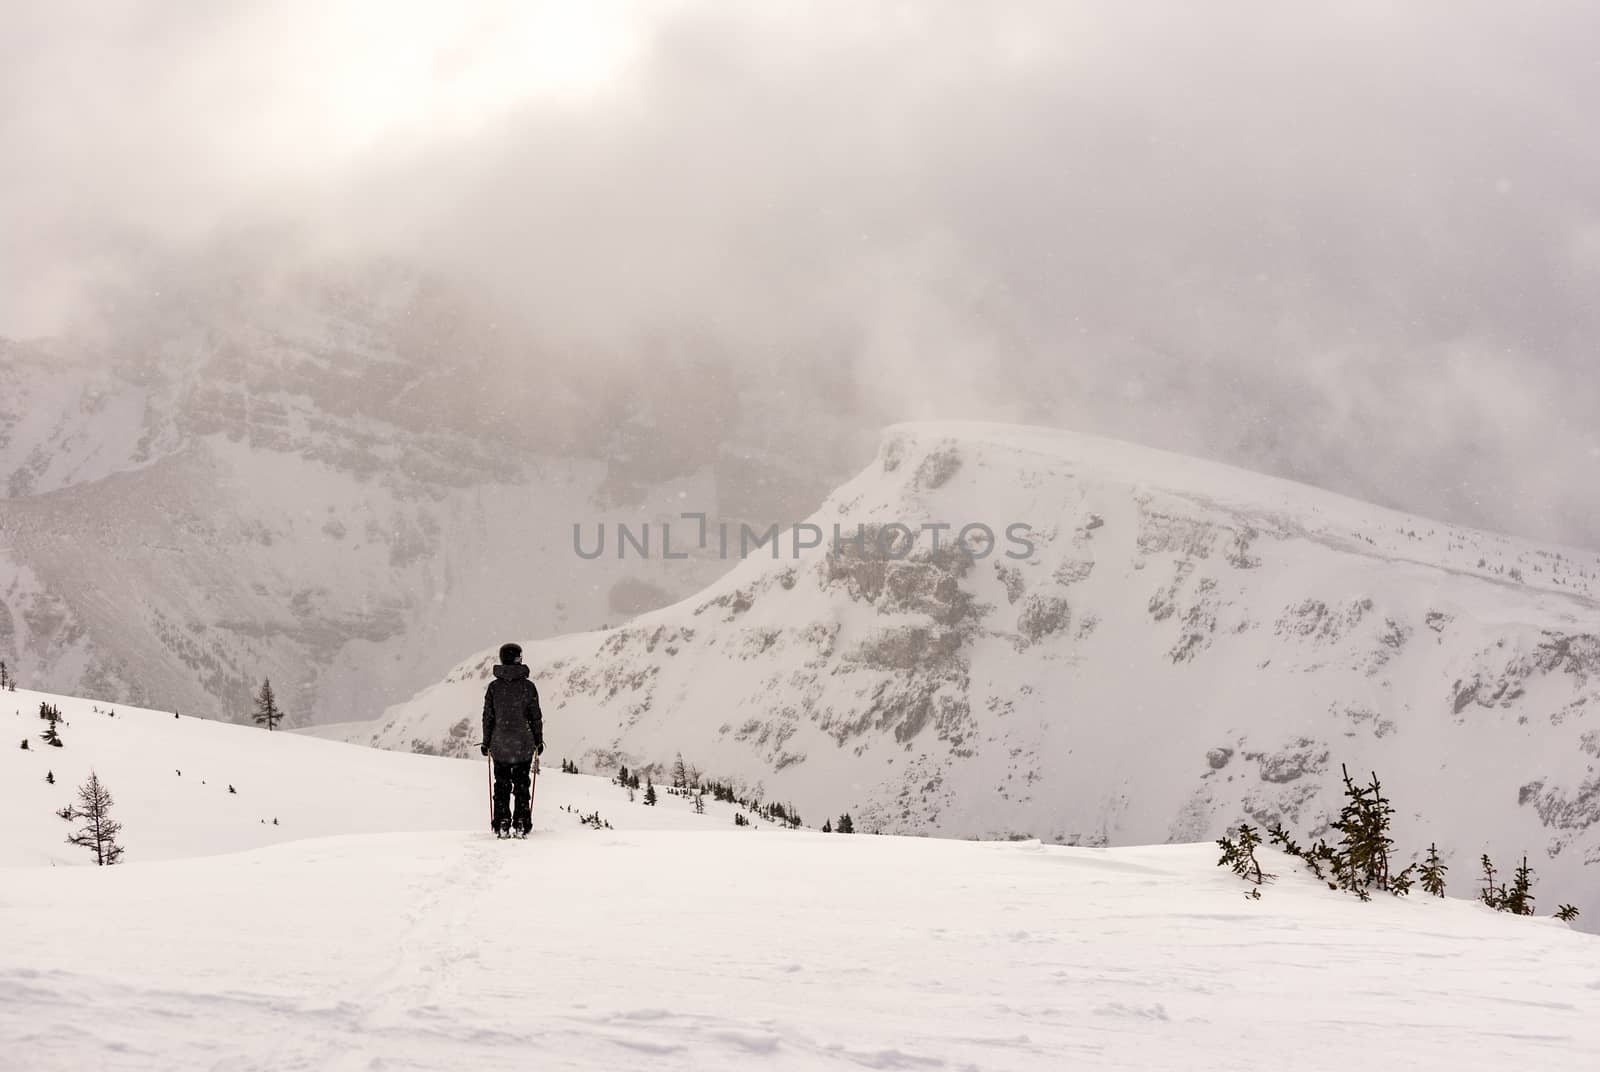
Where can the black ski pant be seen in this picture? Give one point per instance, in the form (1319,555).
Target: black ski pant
(511,780)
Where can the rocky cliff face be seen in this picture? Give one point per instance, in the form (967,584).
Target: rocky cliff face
(339,481)
(1183,645)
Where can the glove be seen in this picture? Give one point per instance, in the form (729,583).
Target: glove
(484,748)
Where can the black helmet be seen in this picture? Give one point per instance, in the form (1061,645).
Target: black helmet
(510,654)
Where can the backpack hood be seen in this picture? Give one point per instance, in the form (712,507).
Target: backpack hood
(511,673)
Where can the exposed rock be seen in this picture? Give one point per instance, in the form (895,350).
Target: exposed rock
(1577,811)
(1186,537)
(1304,756)
(926,582)
(1042,616)
(1199,623)
(938,467)
(1011,578)
(1313,619)
(1238,553)
(1073,570)
(908,648)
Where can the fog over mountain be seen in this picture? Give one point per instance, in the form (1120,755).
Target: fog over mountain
(1355,247)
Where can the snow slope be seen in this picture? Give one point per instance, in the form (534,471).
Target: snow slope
(1187,645)
(377,926)
(170,777)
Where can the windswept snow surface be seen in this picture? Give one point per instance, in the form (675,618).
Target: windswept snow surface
(678,942)
(729,949)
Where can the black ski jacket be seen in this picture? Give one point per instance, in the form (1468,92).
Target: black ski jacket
(513,726)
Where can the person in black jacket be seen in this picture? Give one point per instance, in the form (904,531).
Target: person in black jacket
(513,733)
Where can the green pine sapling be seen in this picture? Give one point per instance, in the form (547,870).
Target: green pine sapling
(1519,901)
(1433,872)
(1240,856)
(1491,895)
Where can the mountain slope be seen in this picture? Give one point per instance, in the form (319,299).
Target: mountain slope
(337,479)
(1187,645)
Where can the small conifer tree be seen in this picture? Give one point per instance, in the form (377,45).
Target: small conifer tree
(5,675)
(25,744)
(50,777)
(1519,900)
(1492,895)
(1433,872)
(1566,913)
(267,711)
(1240,856)
(99,831)
(846,825)
(699,804)
(827,826)
(1365,844)
(650,793)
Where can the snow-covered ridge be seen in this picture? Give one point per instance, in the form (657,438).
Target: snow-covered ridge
(1274,504)
(1187,645)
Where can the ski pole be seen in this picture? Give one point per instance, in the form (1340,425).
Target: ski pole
(490,761)
(533,784)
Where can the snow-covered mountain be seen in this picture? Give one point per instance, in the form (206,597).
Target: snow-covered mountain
(340,480)
(1186,645)
(376,924)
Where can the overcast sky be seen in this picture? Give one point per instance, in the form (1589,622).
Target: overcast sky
(1359,245)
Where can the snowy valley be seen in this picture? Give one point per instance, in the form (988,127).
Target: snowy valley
(248,472)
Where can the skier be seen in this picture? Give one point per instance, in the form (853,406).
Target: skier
(513,733)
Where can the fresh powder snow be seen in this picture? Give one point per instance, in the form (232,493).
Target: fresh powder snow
(379,925)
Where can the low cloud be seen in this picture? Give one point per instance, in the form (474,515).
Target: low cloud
(1355,247)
